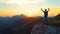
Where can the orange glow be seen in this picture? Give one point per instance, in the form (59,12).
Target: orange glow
(29,11)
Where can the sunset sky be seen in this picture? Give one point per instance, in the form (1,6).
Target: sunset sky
(28,7)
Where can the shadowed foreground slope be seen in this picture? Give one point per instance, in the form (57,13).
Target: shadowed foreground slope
(21,24)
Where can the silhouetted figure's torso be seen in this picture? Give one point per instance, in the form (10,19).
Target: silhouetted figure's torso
(46,14)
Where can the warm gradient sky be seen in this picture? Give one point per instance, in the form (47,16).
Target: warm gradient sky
(28,7)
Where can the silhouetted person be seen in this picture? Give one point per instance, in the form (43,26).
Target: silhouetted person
(45,12)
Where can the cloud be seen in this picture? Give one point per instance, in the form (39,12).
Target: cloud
(22,1)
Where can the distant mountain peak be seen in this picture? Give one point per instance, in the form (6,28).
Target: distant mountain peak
(57,15)
(22,15)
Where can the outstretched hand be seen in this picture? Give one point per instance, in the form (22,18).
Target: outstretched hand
(41,8)
(48,8)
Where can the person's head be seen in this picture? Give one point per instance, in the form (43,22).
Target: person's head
(45,9)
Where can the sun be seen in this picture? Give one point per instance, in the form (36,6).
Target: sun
(30,14)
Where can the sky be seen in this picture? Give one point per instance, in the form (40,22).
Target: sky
(29,7)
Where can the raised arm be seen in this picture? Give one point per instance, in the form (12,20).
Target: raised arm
(48,9)
(42,10)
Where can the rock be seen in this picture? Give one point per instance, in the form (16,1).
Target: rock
(43,29)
